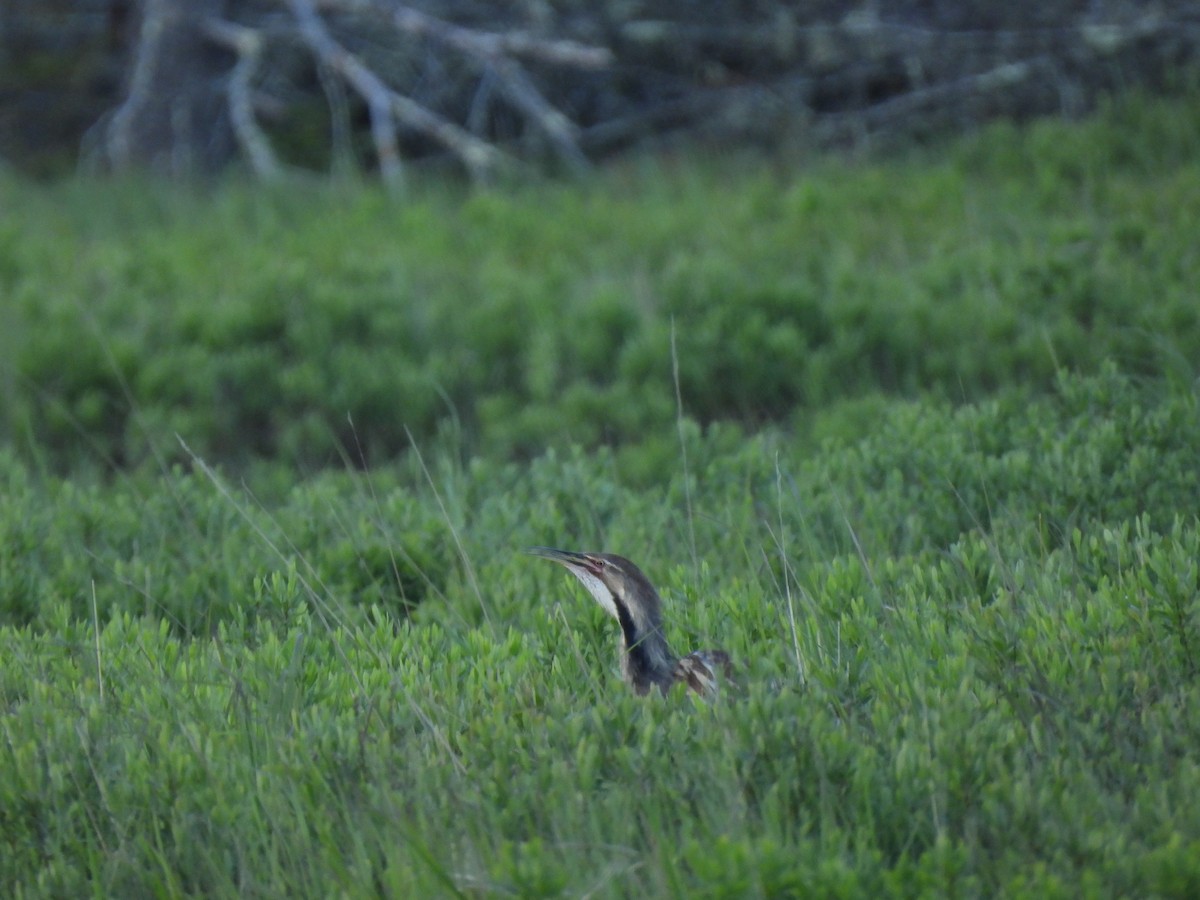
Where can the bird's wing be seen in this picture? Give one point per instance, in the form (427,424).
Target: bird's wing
(699,671)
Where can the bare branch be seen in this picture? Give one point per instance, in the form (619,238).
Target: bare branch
(479,157)
(247,43)
(493,45)
(494,51)
(341,142)
(562,131)
(471,75)
(170,93)
(369,86)
(120,139)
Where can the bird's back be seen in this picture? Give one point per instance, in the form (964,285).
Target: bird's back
(701,671)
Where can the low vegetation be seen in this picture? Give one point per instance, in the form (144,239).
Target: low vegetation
(266,325)
(271,460)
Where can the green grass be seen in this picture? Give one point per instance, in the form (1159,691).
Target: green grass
(939,504)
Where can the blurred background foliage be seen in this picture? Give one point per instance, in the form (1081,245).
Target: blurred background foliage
(325,328)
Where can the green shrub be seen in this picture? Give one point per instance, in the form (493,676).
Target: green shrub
(261,325)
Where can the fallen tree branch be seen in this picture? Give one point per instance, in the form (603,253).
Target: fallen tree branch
(119,139)
(493,45)
(479,79)
(247,43)
(382,102)
(374,92)
(494,51)
(562,132)
(999,78)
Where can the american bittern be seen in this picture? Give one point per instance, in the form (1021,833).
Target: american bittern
(628,596)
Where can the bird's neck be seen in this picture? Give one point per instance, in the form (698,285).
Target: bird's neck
(646,658)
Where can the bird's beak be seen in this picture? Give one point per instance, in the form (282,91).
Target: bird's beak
(565,557)
(586,569)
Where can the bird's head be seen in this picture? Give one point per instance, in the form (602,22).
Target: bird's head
(628,596)
(616,583)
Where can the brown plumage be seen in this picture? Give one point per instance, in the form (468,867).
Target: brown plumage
(627,595)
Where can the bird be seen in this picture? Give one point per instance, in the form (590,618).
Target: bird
(626,594)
